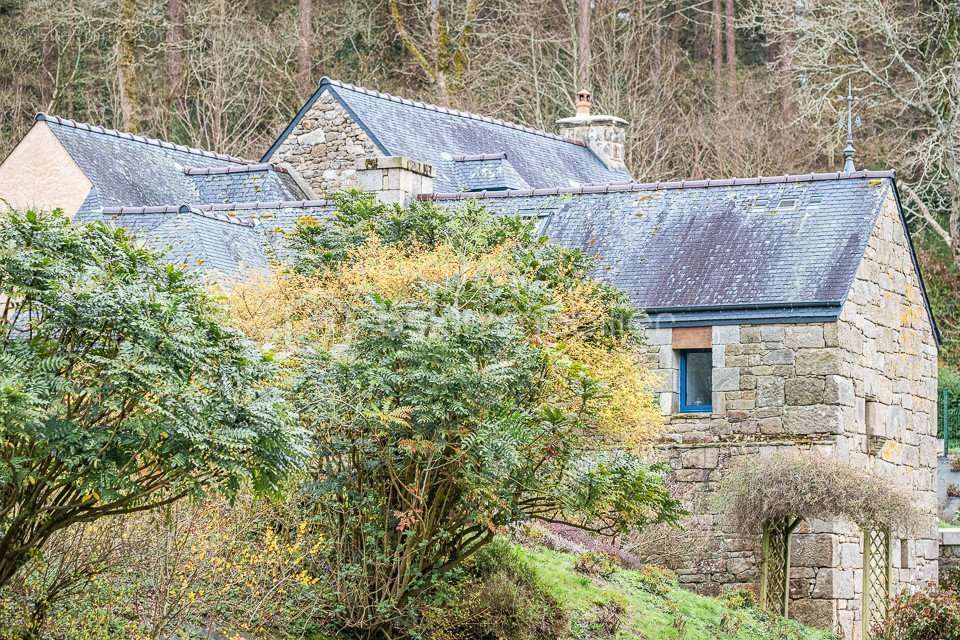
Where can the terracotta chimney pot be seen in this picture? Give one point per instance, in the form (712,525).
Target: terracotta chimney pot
(583,102)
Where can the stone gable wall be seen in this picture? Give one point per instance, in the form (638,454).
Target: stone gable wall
(890,354)
(325,147)
(814,388)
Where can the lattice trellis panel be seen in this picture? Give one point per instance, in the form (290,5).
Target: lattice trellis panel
(775,566)
(876,579)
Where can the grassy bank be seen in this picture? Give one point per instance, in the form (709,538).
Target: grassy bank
(650,610)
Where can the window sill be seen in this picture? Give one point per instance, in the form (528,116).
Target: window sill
(690,415)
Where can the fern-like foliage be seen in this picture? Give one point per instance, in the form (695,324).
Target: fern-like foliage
(459,375)
(121,385)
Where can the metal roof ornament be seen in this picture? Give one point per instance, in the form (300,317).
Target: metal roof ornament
(849,151)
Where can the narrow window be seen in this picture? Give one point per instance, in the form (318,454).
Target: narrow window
(905,554)
(696,380)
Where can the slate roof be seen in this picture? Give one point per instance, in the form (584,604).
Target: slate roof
(226,240)
(486,172)
(250,183)
(217,245)
(432,134)
(715,252)
(131,170)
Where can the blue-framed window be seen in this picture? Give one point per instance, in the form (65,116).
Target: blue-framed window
(696,381)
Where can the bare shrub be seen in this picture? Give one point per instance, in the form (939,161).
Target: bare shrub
(685,545)
(656,580)
(607,618)
(784,486)
(57,575)
(596,563)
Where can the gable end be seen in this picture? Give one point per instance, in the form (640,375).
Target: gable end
(325,87)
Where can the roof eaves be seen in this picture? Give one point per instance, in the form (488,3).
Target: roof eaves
(268,204)
(168,209)
(784,314)
(123,135)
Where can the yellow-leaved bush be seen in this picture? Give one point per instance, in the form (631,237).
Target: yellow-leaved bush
(458,375)
(287,307)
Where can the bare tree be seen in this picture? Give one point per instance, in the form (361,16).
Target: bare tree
(127,66)
(305,46)
(716,21)
(441,56)
(905,71)
(174,46)
(583,44)
(731,36)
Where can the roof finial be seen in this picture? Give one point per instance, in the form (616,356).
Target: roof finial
(849,151)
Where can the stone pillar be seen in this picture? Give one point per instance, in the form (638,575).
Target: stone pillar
(605,135)
(395,179)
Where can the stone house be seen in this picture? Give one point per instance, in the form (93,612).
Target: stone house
(782,313)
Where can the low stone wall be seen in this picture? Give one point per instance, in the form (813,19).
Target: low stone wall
(949,549)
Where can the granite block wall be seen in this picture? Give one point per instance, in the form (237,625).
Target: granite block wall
(861,389)
(325,146)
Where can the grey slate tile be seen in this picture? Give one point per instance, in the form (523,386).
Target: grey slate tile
(789,245)
(436,135)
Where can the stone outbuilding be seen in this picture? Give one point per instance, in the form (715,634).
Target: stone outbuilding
(784,313)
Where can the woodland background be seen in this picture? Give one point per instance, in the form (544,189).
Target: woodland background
(711,88)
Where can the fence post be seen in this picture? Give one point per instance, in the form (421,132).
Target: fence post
(945,420)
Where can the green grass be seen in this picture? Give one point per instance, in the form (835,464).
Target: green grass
(679,614)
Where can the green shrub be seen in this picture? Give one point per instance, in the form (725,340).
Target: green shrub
(122,388)
(448,350)
(933,615)
(596,563)
(656,579)
(950,579)
(498,598)
(739,599)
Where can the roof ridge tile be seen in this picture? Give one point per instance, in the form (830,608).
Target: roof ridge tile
(162,209)
(611,187)
(454,112)
(124,135)
(247,168)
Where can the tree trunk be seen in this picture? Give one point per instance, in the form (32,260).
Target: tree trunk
(717,24)
(954,223)
(174,52)
(788,98)
(127,66)
(731,49)
(583,45)
(304,46)
(657,41)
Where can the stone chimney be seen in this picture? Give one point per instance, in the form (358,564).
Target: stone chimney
(605,135)
(395,179)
